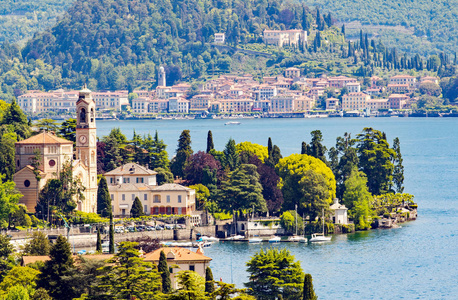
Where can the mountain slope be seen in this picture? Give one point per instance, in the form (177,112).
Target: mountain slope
(434,24)
(20,19)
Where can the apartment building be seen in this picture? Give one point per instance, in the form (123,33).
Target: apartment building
(39,102)
(340,81)
(292,72)
(110,100)
(219,38)
(303,103)
(355,101)
(178,105)
(236,105)
(140,105)
(403,79)
(332,103)
(353,87)
(398,88)
(398,101)
(377,104)
(282,103)
(266,92)
(200,102)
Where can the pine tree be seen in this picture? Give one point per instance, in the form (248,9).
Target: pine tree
(137,209)
(53,275)
(103,198)
(209,283)
(163,269)
(210,145)
(130,277)
(99,241)
(309,292)
(38,245)
(158,155)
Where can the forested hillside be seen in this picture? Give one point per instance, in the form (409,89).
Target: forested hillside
(117,43)
(20,19)
(434,23)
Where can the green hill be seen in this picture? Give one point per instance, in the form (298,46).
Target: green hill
(20,19)
(414,26)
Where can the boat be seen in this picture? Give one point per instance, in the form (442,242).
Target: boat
(297,239)
(202,244)
(235,238)
(254,240)
(232,123)
(275,239)
(209,238)
(320,237)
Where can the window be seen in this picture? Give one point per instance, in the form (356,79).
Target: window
(168,198)
(156,199)
(133,197)
(112,197)
(139,179)
(111,180)
(145,208)
(26,183)
(52,163)
(145,196)
(171,270)
(192,268)
(123,196)
(179,198)
(168,210)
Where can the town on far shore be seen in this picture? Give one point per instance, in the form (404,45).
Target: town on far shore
(287,96)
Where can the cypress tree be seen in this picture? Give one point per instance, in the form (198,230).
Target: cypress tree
(398,172)
(343,29)
(210,145)
(99,241)
(111,249)
(309,292)
(55,270)
(209,283)
(231,157)
(103,198)
(137,209)
(304,148)
(269,146)
(182,153)
(165,273)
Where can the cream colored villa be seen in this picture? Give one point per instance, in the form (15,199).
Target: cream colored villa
(54,152)
(180,259)
(132,180)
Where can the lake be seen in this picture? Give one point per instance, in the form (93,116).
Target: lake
(417,261)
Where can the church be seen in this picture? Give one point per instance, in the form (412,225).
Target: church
(54,152)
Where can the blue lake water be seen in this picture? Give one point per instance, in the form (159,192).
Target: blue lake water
(417,261)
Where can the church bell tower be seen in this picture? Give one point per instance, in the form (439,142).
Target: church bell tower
(86,148)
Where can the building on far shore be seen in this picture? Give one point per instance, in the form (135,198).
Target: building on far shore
(340,213)
(220,38)
(281,38)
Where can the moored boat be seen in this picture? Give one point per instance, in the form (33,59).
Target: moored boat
(275,239)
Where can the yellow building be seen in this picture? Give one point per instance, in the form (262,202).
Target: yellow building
(131,180)
(54,152)
(180,259)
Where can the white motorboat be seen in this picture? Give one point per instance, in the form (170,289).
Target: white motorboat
(275,239)
(318,237)
(254,240)
(209,238)
(235,238)
(297,239)
(232,123)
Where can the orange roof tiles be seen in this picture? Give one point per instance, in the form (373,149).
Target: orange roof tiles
(179,254)
(44,138)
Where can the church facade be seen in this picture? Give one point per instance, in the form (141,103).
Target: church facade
(51,153)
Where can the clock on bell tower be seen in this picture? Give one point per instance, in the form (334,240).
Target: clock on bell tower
(86,147)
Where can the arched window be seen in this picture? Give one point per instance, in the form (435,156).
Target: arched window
(83,115)
(92,115)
